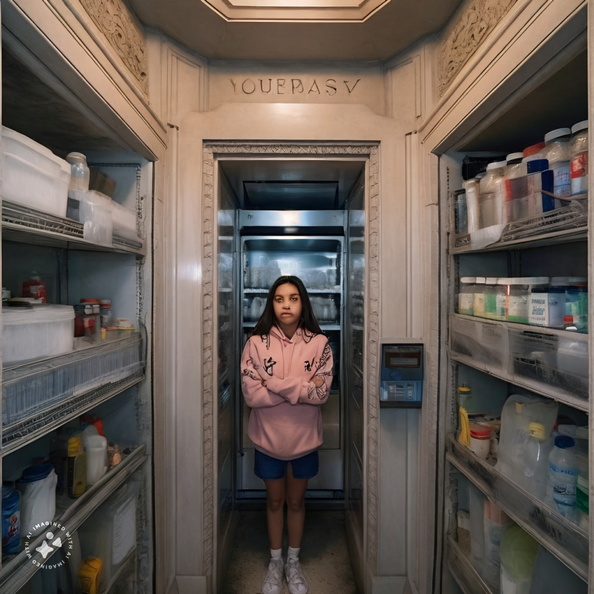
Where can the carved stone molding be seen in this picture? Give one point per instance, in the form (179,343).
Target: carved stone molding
(123,34)
(472,27)
(212,151)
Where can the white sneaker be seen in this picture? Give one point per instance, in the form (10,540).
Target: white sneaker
(273,583)
(295,579)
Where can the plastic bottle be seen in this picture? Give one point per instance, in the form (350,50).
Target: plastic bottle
(461,222)
(11,519)
(582,494)
(578,155)
(517,552)
(557,152)
(533,472)
(38,496)
(491,195)
(562,477)
(496,522)
(79,171)
(472,189)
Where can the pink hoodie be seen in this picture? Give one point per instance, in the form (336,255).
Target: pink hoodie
(286,421)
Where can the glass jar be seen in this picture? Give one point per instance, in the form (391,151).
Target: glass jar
(578,155)
(557,152)
(466,295)
(461,217)
(79,171)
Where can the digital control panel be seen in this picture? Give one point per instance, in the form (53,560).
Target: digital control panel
(402,371)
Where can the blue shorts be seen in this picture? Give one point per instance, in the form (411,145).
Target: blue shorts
(268,468)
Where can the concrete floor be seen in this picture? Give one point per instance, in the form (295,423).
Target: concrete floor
(324,555)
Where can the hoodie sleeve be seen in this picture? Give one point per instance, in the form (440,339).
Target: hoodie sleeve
(253,386)
(297,390)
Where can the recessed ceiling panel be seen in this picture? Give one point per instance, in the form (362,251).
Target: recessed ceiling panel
(295,10)
(285,195)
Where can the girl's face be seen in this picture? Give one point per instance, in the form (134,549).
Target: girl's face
(287,308)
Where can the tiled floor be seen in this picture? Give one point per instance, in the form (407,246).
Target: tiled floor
(324,555)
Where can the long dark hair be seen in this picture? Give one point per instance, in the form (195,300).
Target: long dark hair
(268,319)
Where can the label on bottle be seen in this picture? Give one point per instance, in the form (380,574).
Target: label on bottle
(563,483)
(562,180)
(579,173)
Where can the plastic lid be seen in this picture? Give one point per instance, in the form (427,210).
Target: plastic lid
(480,280)
(496,165)
(36,472)
(504,281)
(564,441)
(37,314)
(557,133)
(76,158)
(467,279)
(533,149)
(89,300)
(537,430)
(491,280)
(477,430)
(583,125)
(528,280)
(559,281)
(464,389)
(514,157)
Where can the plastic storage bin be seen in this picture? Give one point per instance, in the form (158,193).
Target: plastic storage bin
(32,175)
(555,359)
(36,332)
(110,533)
(483,341)
(36,388)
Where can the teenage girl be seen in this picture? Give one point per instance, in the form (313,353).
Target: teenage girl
(286,371)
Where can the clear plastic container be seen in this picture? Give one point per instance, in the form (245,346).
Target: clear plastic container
(515,165)
(501,298)
(517,552)
(578,155)
(557,152)
(466,295)
(478,303)
(472,189)
(79,171)
(490,297)
(461,222)
(533,470)
(491,195)
(518,295)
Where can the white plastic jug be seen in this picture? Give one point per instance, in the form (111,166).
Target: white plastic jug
(96,448)
(38,504)
(518,412)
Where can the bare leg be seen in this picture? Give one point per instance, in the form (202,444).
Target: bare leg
(275,503)
(295,507)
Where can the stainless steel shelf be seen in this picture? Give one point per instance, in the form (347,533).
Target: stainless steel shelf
(17,435)
(19,570)
(565,540)
(26,225)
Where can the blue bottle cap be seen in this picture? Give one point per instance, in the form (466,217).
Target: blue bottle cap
(36,472)
(564,441)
